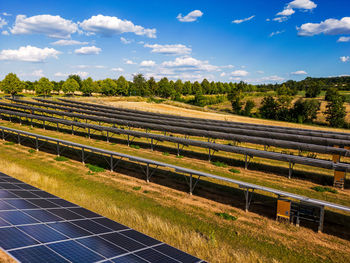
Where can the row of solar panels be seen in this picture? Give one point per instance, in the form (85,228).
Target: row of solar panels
(36,226)
(269,128)
(177,168)
(305,143)
(294,159)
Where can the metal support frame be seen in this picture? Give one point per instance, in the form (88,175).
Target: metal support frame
(320,225)
(248,197)
(247,159)
(191,182)
(290,169)
(148,171)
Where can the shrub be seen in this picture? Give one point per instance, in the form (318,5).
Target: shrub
(135,146)
(136,188)
(235,171)
(166,153)
(31,151)
(219,164)
(226,216)
(9,143)
(61,159)
(94,168)
(322,189)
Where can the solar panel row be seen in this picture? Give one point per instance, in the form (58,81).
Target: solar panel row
(36,226)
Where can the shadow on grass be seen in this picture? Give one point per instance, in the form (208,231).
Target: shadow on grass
(335,223)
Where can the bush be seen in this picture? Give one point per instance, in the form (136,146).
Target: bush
(166,153)
(31,151)
(136,188)
(61,159)
(135,146)
(322,189)
(235,171)
(9,143)
(94,168)
(226,216)
(219,164)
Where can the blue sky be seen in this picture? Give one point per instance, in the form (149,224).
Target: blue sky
(254,41)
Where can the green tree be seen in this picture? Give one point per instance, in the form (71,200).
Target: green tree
(152,86)
(249,106)
(187,88)
(235,97)
(70,86)
(77,78)
(205,86)
(43,87)
(213,88)
(269,108)
(178,86)
(165,90)
(197,88)
(11,84)
(330,93)
(335,112)
(140,85)
(57,86)
(108,87)
(28,85)
(88,86)
(123,86)
(305,111)
(312,89)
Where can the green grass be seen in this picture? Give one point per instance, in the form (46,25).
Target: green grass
(235,171)
(135,146)
(165,153)
(219,164)
(94,168)
(61,159)
(179,156)
(9,143)
(226,216)
(31,151)
(136,188)
(324,189)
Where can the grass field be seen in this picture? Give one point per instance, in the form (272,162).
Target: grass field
(210,224)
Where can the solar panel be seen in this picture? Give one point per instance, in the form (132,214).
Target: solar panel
(36,226)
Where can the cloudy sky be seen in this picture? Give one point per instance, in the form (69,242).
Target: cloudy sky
(255,41)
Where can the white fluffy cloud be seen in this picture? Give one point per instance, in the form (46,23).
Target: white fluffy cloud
(328,27)
(344,39)
(286,12)
(88,50)
(176,49)
(129,62)
(29,54)
(190,63)
(190,17)
(82,74)
(239,73)
(112,25)
(68,42)
(345,59)
(6,14)
(117,69)
(238,21)
(52,26)
(302,4)
(147,63)
(299,72)
(5,33)
(276,33)
(3,22)
(125,40)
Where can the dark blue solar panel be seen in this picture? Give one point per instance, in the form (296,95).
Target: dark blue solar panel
(20,203)
(9,186)
(110,224)
(4,223)
(6,194)
(75,252)
(69,229)
(37,254)
(43,215)
(62,203)
(129,259)
(154,256)
(92,226)
(24,194)
(5,206)
(102,247)
(42,233)
(123,241)
(17,218)
(43,194)
(42,203)
(27,187)
(13,238)
(64,213)
(10,180)
(176,253)
(84,212)
(148,241)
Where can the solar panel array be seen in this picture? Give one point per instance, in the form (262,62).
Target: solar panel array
(36,226)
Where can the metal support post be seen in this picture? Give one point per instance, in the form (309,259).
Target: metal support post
(320,226)
(147,173)
(111,163)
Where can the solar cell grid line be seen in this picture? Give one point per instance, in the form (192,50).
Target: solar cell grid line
(190,172)
(211,121)
(240,150)
(300,132)
(182,123)
(194,132)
